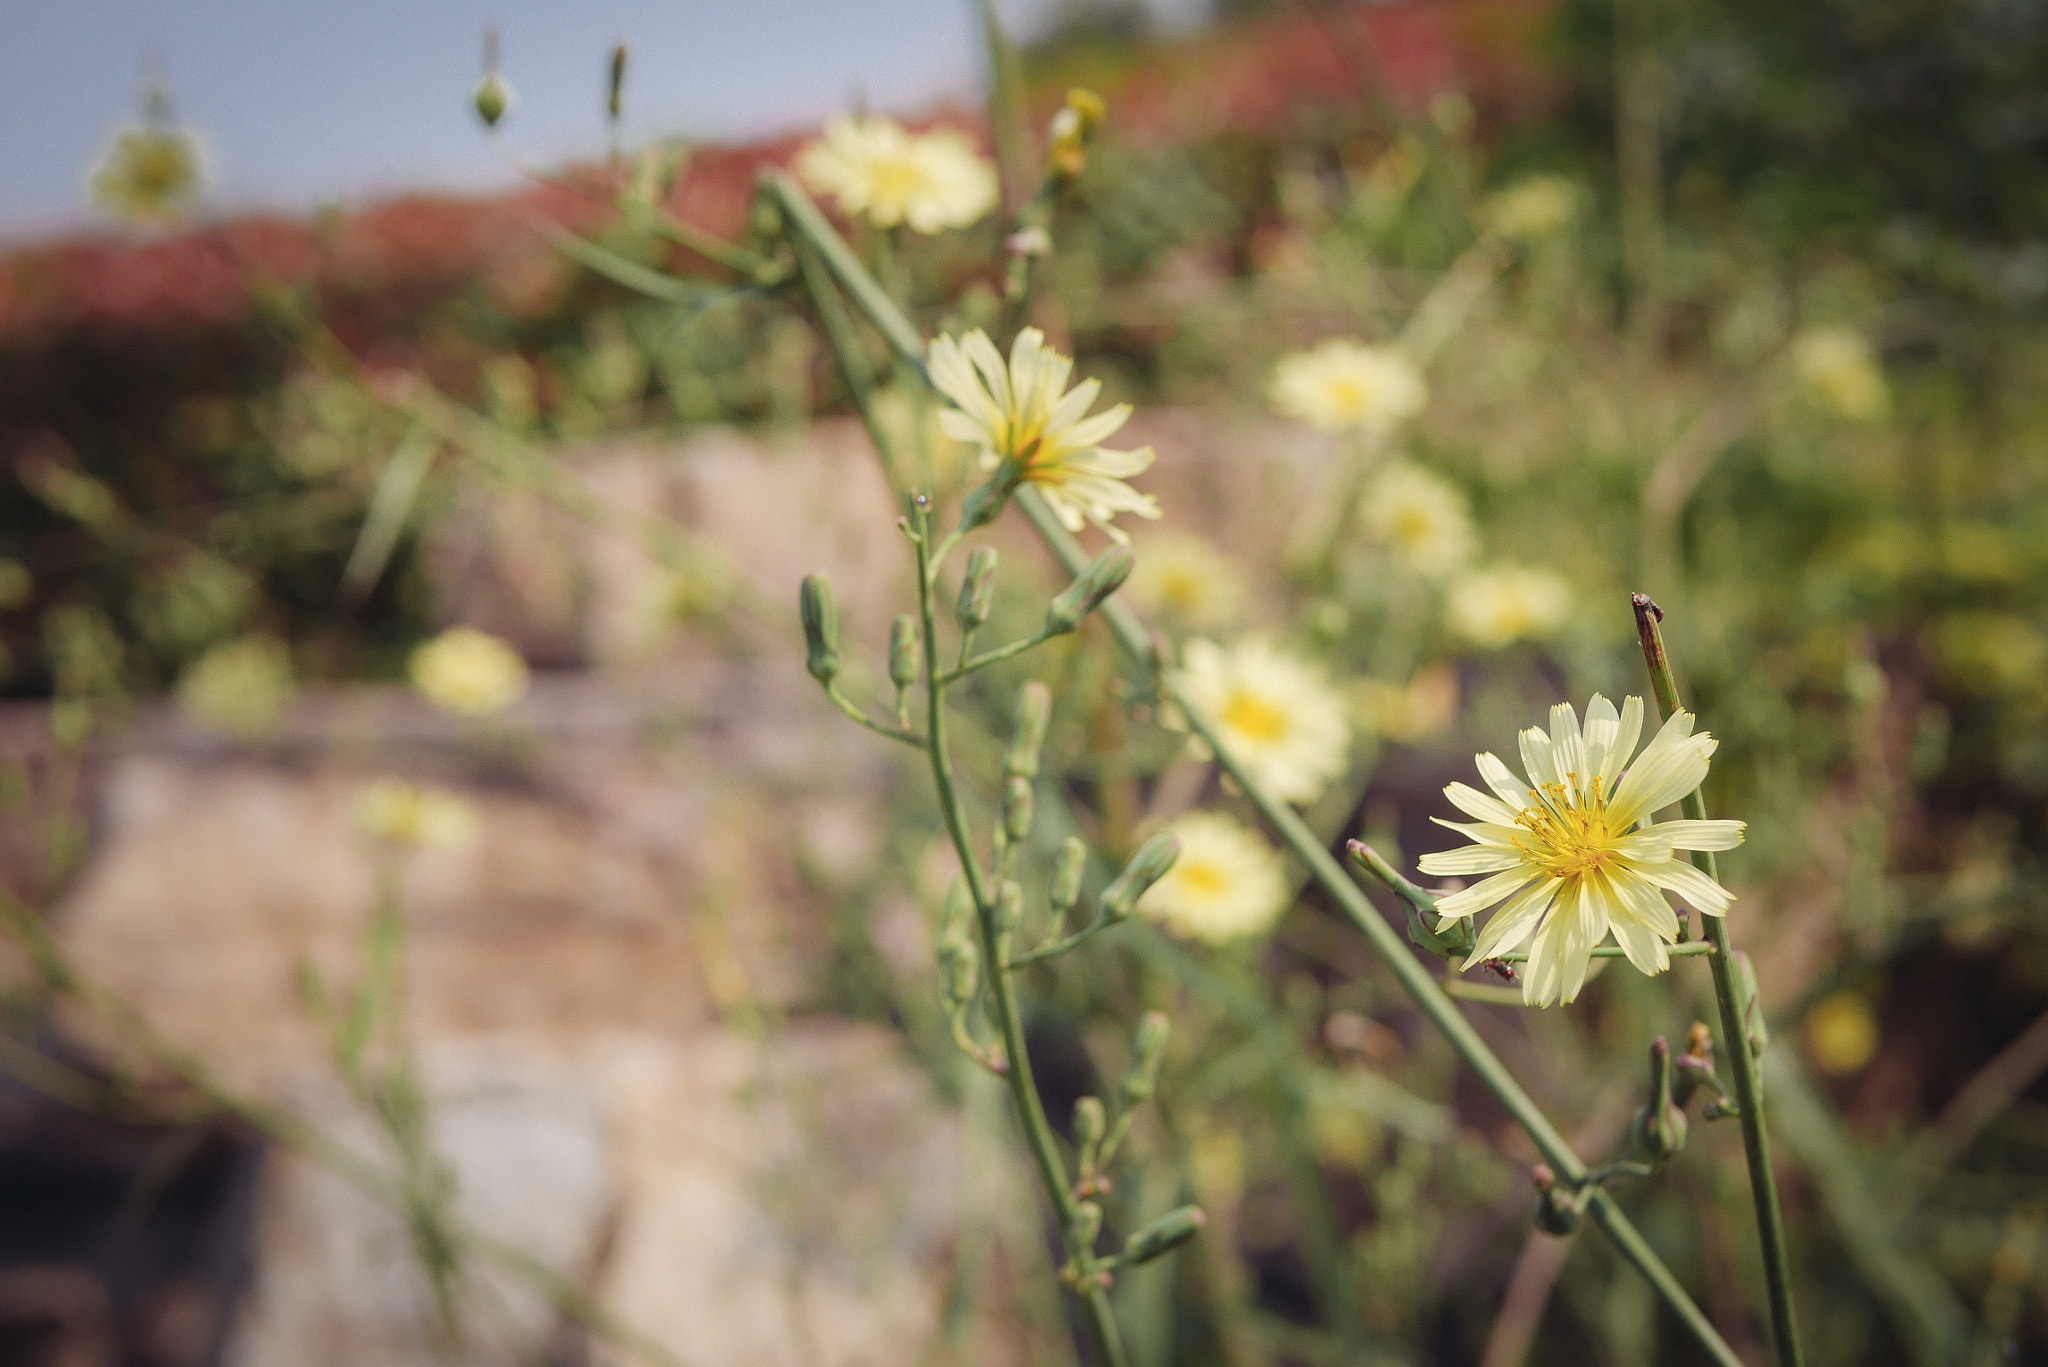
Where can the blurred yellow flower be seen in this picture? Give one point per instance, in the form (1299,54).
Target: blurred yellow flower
(1842,1032)
(874,167)
(149,175)
(1344,386)
(1419,518)
(1508,603)
(1417,710)
(1226,884)
(239,686)
(1274,712)
(1562,852)
(1022,412)
(1531,208)
(419,818)
(469,672)
(1185,578)
(1837,367)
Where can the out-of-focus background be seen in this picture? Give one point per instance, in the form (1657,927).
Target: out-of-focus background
(599,1024)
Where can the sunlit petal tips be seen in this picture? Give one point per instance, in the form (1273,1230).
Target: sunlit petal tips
(1562,851)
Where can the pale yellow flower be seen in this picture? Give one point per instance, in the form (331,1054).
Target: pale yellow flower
(1508,603)
(1186,579)
(1561,852)
(1421,708)
(469,672)
(149,175)
(1022,412)
(1837,367)
(1531,208)
(239,686)
(1277,714)
(876,168)
(420,818)
(1227,883)
(1419,518)
(1342,386)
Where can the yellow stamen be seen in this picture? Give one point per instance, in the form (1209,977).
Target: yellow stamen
(1569,833)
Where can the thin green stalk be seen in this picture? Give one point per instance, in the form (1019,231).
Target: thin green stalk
(1735,1044)
(803,218)
(1002,998)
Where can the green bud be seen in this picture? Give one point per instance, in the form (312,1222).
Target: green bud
(1148,1051)
(1067,868)
(1164,1234)
(1089,1122)
(1557,1210)
(1104,576)
(1147,867)
(959,969)
(1034,714)
(1009,906)
(821,627)
(1454,941)
(616,89)
(1017,809)
(977,589)
(1753,1023)
(904,645)
(985,504)
(1660,1125)
(1087,1225)
(492,98)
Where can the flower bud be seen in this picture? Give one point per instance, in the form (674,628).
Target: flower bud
(1089,1122)
(1557,1210)
(492,98)
(904,644)
(1104,576)
(615,89)
(821,627)
(1660,1125)
(959,969)
(1148,1050)
(1147,867)
(1164,1234)
(1034,714)
(985,504)
(1453,941)
(1753,1022)
(1009,906)
(1067,868)
(1087,1225)
(1017,809)
(977,589)
(1695,1065)
(1072,129)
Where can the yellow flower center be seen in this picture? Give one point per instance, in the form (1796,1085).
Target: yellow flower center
(1413,526)
(894,179)
(1201,879)
(1569,833)
(1253,717)
(1347,397)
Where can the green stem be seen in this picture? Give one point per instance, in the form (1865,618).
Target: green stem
(1038,1133)
(803,218)
(1735,1044)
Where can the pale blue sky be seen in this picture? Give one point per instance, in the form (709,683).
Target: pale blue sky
(305,102)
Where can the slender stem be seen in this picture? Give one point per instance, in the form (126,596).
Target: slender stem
(1735,1045)
(1038,1133)
(997,656)
(803,218)
(1690,949)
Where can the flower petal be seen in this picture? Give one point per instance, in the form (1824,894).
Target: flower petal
(1623,745)
(1472,802)
(1485,893)
(1688,882)
(1484,832)
(1470,859)
(1539,757)
(1502,780)
(1567,743)
(1639,903)
(1513,923)
(1651,844)
(1703,835)
(1670,766)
